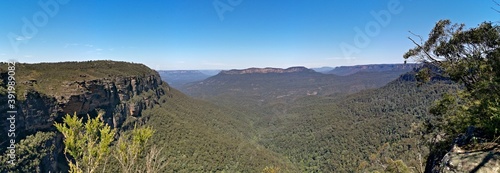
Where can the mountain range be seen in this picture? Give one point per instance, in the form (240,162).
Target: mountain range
(274,83)
(326,122)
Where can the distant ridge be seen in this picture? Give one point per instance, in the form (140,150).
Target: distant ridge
(348,70)
(325,69)
(266,70)
(177,78)
(180,71)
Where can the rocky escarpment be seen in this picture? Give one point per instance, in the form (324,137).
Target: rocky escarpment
(119,97)
(469,152)
(349,70)
(486,159)
(267,70)
(44,102)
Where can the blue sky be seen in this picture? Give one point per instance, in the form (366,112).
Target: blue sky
(194,34)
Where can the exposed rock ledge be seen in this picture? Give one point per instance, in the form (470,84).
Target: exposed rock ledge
(486,160)
(469,153)
(119,97)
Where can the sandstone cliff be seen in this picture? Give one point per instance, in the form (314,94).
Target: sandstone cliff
(349,70)
(42,101)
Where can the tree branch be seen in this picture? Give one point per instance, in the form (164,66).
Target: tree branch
(419,46)
(497,5)
(421,39)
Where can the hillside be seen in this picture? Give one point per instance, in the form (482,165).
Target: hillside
(201,137)
(331,134)
(271,84)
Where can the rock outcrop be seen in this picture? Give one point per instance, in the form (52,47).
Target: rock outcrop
(469,153)
(485,160)
(119,97)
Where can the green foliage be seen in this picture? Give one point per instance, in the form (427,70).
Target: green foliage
(470,57)
(397,166)
(89,147)
(88,144)
(30,152)
(130,147)
(198,136)
(332,134)
(155,162)
(3,89)
(381,162)
(451,115)
(271,169)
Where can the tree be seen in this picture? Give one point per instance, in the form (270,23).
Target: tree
(3,90)
(470,57)
(272,169)
(154,163)
(382,161)
(30,153)
(397,166)
(130,146)
(88,144)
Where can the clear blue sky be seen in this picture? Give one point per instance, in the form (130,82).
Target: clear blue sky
(190,34)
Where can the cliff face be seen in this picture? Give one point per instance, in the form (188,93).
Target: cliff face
(348,70)
(121,97)
(267,70)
